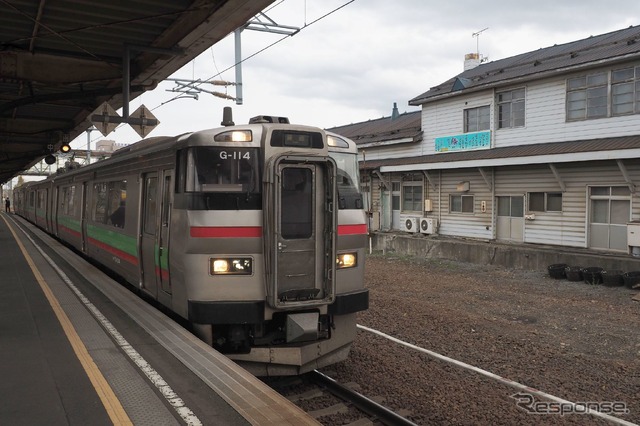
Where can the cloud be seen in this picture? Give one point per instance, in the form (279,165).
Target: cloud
(353,64)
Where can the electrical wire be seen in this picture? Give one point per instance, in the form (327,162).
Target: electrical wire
(219,73)
(306,25)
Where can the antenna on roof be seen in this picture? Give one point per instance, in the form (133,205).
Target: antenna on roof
(477,36)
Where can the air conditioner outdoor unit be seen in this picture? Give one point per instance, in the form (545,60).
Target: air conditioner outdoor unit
(409,224)
(428,225)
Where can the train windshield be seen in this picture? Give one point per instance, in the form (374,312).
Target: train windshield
(348,180)
(222,169)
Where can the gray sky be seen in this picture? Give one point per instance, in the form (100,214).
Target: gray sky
(355,63)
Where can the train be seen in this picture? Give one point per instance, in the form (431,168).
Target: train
(252,234)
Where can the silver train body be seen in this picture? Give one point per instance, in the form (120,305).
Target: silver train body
(255,234)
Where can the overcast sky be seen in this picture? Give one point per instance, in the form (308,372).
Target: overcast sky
(353,64)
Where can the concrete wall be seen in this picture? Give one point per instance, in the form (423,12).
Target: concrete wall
(516,256)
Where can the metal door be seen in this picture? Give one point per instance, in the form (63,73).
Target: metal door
(609,212)
(300,233)
(510,220)
(396,192)
(165,225)
(149,234)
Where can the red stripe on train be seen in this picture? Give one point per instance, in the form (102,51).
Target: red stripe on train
(226,231)
(352,229)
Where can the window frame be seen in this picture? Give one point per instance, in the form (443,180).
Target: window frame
(545,201)
(515,105)
(479,125)
(462,203)
(412,182)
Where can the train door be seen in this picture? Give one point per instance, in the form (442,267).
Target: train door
(165,221)
(84,206)
(53,215)
(149,234)
(305,245)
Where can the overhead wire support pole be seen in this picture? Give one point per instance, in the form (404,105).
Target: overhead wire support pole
(238,46)
(256,24)
(126,70)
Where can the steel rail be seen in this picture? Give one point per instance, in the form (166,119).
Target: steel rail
(363,403)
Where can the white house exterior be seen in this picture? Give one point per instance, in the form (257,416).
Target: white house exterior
(542,148)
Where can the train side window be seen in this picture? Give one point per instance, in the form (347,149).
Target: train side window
(181,171)
(64,204)
(71,204)
(150,205)
(99,202)
(117,203)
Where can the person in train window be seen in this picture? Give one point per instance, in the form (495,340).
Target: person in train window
(117,217)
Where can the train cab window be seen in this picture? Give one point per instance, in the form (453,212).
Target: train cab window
(222,169)
(349,196)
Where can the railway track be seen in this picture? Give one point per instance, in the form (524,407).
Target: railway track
(332,403)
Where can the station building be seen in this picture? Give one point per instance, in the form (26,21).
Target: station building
(541,148)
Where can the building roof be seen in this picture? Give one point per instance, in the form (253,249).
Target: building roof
(590,52)
(405,127)
(552,152)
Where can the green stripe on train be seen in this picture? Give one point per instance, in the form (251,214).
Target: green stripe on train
(114,239)
(70,223)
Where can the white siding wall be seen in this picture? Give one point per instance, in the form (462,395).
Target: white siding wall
(544,120)
(565,228)
(464,224)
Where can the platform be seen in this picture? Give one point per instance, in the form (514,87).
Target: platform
(77,348)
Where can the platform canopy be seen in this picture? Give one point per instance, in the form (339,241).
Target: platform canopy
(61,59)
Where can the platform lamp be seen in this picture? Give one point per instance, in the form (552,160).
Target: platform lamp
(65,143)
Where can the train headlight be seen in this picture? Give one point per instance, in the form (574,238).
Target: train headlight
(231,266)
(234,136)
(347,260)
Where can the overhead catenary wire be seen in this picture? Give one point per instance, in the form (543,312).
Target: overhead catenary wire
(218,73)
(306,25)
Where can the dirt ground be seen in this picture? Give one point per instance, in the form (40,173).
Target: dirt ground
(572,340)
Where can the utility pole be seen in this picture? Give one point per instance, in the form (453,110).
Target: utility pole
(89,130)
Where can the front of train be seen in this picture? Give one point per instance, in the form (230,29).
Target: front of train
(272,268)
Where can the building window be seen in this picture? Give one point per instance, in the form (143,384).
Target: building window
(545,201)
(511,108)
(461,203)
(587,97)
(476,119)
(412,195)
(625,91)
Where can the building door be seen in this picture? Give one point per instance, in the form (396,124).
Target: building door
(395,205)
(609,212)
(510,220)
(385,210)
(149,235)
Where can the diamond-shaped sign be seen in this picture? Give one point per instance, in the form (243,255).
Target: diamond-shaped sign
(148,121)
(103,119)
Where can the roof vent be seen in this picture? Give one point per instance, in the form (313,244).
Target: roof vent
(395,114)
